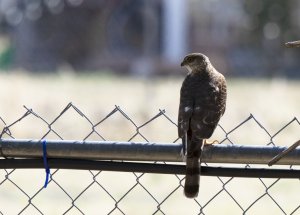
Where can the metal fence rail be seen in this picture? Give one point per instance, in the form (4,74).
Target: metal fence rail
(114,177)
(144,151)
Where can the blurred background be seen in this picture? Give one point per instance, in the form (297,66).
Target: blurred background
(243,38)
(98,54)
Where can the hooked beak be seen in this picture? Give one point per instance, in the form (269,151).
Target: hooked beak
(182,63)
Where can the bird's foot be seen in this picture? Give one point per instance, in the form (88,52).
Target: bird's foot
(206,142)
(183,151)
(183,155)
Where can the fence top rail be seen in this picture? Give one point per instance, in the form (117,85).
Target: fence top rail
(143,151)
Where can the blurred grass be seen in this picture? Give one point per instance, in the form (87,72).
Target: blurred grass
(273,102)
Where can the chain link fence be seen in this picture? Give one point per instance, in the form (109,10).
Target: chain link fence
(101,192)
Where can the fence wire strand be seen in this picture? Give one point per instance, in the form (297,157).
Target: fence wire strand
(98,191)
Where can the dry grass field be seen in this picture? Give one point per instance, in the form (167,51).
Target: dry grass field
(273,102)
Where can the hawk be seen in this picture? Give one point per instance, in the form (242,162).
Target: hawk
(202,104)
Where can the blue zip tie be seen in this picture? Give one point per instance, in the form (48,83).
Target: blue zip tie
(47,169)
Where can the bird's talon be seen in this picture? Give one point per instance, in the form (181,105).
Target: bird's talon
(206,142)
(183,155)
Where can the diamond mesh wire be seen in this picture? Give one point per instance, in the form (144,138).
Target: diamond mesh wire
(101,192)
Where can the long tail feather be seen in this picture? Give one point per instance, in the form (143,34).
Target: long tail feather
(192,178)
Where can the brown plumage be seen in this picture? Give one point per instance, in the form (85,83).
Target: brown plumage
(202,103)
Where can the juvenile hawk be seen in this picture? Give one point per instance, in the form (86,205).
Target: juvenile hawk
(202,103)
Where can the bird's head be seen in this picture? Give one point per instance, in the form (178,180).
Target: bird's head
(195,62)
